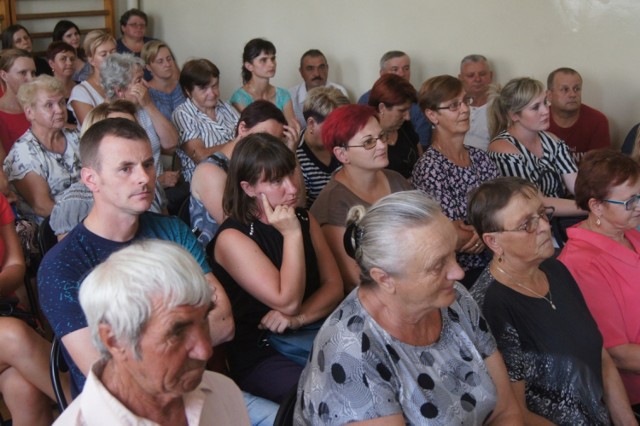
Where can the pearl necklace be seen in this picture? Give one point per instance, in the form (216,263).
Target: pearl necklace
(548,299)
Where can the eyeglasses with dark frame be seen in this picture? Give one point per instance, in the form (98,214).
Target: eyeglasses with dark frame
(532,223)
(370,142)
(629,204)
(455,105)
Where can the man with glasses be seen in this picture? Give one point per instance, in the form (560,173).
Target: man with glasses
(314,70)
(399,63)
(476,77)
(582,128)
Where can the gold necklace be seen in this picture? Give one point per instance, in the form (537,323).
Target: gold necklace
(548,299)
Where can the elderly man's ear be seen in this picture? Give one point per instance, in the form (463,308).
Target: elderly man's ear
(117,351)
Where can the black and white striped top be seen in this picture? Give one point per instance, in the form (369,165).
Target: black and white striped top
(315,173)
(545,172)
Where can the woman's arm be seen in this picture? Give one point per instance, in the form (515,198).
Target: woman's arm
(282,289)
(81,109)
(167,133)
(530,419)
(615,395)
(13,267)
(349,269)
(326,297)
(563,206)
(569,180)
(207,185)
(196,150)
(626,357)
(35,190)
(507,411)
(290,115)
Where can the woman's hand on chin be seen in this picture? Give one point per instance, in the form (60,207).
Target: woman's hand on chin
(282,217)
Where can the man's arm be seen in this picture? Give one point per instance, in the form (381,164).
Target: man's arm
(221,325)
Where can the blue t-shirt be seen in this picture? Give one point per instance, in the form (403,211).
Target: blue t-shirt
(67,264)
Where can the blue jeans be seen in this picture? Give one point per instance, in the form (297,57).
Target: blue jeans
(262,412)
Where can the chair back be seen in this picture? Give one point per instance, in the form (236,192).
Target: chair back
(284,417)
(56,365)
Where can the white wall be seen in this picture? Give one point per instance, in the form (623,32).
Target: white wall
(522,37)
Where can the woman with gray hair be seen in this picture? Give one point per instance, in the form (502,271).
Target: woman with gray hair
(121,75)
(147,307)
(518,119)
(44,161)
(409,345)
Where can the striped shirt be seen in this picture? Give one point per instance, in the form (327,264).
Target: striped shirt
(195,124)
(315,173)
(546,172)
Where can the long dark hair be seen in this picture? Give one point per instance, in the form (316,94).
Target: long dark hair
(256,157)
(252,50)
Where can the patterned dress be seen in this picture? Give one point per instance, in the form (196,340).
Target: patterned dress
(357,371)
(450,185)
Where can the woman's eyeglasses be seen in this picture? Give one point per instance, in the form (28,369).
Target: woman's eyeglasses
(370,141)
(532,223)
(629,204)
(455,105)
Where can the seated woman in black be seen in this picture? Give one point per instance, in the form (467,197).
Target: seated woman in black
(551,345)
(275,265)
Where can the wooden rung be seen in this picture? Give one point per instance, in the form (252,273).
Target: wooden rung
(49,34)
(53,15)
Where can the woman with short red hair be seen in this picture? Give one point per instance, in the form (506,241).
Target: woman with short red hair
(392,96)
(354,135)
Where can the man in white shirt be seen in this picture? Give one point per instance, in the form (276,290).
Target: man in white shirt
(147,308)
(476,77)
(314,71)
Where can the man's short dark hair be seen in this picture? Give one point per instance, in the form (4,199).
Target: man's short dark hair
(563,70)
(93,137)
(314,53)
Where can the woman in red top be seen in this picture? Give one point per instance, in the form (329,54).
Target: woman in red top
(16,68)
(24,354)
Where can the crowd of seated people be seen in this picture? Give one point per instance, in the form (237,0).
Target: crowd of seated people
(392,261)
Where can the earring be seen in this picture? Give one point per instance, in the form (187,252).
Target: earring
(598,222)
(500,258)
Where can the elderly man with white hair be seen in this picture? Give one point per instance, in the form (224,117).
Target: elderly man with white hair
(147,307)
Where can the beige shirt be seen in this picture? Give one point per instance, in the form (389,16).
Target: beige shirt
(216,401)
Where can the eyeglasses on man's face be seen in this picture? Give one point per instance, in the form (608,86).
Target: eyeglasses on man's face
(531,224)
(629,204)
(370,142)
(455,105)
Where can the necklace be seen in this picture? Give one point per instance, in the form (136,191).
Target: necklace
(548,299)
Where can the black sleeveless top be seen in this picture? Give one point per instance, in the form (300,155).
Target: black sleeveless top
(247,349)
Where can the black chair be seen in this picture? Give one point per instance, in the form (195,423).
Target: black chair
(284,417)
(46,237)
(57,364)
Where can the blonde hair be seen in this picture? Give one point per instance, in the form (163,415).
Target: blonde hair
(8,57)
(511,99)
(150,50)
(321,101)
(95,39)
(102,112)
(28,92)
